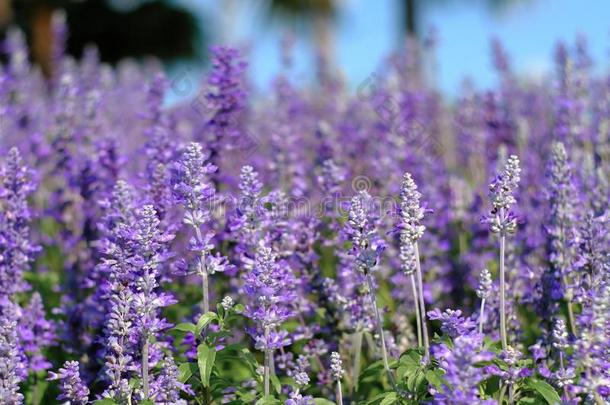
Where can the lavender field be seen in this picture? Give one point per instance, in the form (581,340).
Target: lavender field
(312,243)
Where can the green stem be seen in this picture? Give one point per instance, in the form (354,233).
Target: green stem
(206,292)
(339,393)
(503,294)
(417,313)
(145,385)
(482,315)
(384,352)
(422,305)
(203,271)
(357,345)
(571,318)
(267,356)
(566,392)
(502,391)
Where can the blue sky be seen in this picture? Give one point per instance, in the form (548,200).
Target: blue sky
(367,30)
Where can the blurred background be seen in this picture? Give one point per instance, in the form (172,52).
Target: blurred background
(353,36)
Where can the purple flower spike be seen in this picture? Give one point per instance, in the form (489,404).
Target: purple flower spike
(72,389)
(36,333)
(461,371)
(452,322)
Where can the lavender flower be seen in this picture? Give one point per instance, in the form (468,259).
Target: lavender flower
(15,245)
(166,388)
(151,252)
(192,189)
(485,285)
(501,192)
(461,371)
(225,101)
(35,334)
(246,222)
(270,286)
(515,370)
(227,303)
(367,249)
(560,342)
(411,230)
(16,254)
(118,249)
(452,322)
(72,390)
(503,222)
(483,292)
(10,374)
(562,229)
(336,366)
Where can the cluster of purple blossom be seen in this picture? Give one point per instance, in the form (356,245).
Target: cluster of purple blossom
(122,269)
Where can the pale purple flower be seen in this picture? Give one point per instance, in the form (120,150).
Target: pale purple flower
(485,285)
(501,192)
(10,358)
(452,322)
(336,366)
(36,333)
(72,389)
(462,372)
(15,216)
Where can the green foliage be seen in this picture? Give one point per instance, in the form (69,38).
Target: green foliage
(206,356)
(544,389)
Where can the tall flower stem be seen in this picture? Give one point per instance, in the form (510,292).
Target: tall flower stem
(482,316)
(384,352)
(339,393)
(145,383)
(417,313)
(503,222)
(422,305)
(571,319)
(357,345)
(206,292)
(502,391)
(203,271)
(502,293)
(566,392)
(267,363)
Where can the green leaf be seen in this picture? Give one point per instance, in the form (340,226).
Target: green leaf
(205,359)
(105,401)
(146,402)
(184,372)
(415,380)
(239,308)
(390,398)
(268,400)
(322,401)
(491,385)
(35,394)
(185,327)
(249,359)
(203,321)
(373,370)
(277,386)
(434,378)
(377,399)
(544,389)
(411,358)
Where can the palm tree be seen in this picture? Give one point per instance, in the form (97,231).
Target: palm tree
(318,15)
(152,28)
(412,10)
